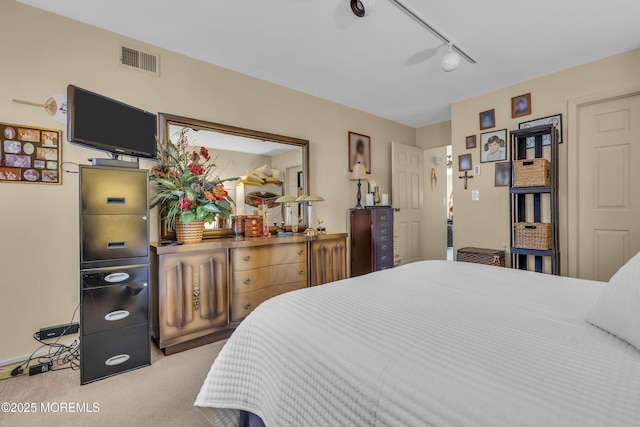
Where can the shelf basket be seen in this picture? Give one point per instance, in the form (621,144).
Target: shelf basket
(531,173)
(532,235)
(481,256)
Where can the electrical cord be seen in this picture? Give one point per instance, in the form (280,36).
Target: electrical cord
(69,163)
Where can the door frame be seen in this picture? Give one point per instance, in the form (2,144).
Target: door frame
(573,150)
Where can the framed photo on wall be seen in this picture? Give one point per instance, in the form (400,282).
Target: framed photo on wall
(503,174)
(555,120)
(488,119)
(493,146)
(471,142)
(464,162)
(359,151)
(521,105)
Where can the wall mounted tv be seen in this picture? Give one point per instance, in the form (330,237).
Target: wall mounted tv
(105,124)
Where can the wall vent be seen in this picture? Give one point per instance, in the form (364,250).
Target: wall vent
(139,60)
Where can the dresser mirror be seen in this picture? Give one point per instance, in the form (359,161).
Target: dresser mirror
(269,166)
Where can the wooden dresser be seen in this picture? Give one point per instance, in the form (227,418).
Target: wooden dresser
(201,292)
(371,239)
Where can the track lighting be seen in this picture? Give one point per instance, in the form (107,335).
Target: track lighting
(362,7)
(451,60)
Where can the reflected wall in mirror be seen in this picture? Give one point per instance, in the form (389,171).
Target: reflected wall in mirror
(269,166)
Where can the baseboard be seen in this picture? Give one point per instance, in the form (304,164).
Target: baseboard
(6,366)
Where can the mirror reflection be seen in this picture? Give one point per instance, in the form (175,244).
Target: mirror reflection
(268,167)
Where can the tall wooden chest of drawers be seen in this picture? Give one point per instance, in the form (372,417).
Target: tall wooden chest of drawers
(371,240)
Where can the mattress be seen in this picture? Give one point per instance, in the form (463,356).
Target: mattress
(432,343)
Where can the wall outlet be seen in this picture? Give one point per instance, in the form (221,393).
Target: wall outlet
(475,195)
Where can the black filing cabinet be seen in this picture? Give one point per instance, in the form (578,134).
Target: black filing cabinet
(371,239)
(114,271)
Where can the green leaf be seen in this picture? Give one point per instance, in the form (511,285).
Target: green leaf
(187,217)
(210,207)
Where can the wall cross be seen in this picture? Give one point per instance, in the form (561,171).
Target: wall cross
(466,178)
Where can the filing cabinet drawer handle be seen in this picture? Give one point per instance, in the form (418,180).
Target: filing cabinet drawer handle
(116,277)
(300,252)
(247,306)
(247,258)
(247,281)
(117,360)
(116,315)
(116,200)
(116,245)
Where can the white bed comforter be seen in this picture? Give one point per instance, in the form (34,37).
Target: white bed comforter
(432,343)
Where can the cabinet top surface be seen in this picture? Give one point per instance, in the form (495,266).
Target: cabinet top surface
(240,242)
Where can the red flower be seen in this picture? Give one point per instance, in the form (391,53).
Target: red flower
(195,156)
(195,169)
(184,204)
(204,152)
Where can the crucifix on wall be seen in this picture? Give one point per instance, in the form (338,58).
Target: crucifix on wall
(466,178)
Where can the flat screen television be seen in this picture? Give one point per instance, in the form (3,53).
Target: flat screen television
(105,124)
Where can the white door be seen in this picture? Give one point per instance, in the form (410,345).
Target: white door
(434,236)
(609,186)
(407,174)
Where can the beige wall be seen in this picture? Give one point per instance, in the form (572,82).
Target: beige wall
(485,223)
(42,53)
(435,135)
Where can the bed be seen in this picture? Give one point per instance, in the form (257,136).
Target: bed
(432,343)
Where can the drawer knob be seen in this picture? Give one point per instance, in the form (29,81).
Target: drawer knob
(383,258)
(383,247)
(247,258)
(300,252)
(300,272)
(116,315)
(247,281)
(247,306)
(117,360)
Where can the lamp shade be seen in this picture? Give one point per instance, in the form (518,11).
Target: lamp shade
(359,172)
(451,60)
(285,199)
(312,197)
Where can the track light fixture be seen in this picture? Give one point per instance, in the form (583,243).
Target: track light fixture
(451,60)
(362,7)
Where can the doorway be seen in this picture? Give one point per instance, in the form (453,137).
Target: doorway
(450,203)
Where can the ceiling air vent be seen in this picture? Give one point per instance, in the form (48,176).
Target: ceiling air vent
(142,61)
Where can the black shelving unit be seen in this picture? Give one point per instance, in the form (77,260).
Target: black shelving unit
(527,202)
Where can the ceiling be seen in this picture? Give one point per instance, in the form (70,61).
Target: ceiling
(386,63)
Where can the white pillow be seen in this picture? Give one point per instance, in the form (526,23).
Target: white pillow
(618,309)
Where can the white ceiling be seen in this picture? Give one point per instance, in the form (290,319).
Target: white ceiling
(385,64)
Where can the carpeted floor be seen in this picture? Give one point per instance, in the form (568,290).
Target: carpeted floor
(159,395)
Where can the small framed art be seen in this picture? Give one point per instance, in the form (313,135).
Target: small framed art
(464,162)
(471,142)
(493,146)
(359,151)
(555,120)
(521,105)
(488,119)
(503,174)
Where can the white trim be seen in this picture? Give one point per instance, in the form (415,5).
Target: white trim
(573,112)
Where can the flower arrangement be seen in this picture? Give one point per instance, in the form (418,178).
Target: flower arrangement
(186,187)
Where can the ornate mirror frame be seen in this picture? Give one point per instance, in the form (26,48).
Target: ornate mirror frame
(165,120)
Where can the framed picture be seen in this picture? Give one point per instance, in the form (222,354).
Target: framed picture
(555,120)
(488,119)
(464,162)
(503,174)
(521,105)
(471,142)
(493,146)
(30,154)
(359,151)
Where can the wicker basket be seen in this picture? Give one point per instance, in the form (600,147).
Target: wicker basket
(189,233)
(533,235)
(481,256)
(531,173)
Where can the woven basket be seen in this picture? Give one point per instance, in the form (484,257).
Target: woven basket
(189,233)
(531,173)
(533,235)
(481,256)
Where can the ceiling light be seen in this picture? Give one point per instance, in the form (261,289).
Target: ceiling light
(451,60)
(362,7)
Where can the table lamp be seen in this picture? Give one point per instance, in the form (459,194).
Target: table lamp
(310,198)
(359,173)
(287,200)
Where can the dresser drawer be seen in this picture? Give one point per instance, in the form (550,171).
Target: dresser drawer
(109,353)
(383,216)
(385,257)
(257,278)
(116,306)
(263,256)
(244,303)
(107,237)
(108,191)
(383,237)
(384,247)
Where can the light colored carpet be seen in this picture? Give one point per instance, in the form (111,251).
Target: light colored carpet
(158,395)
